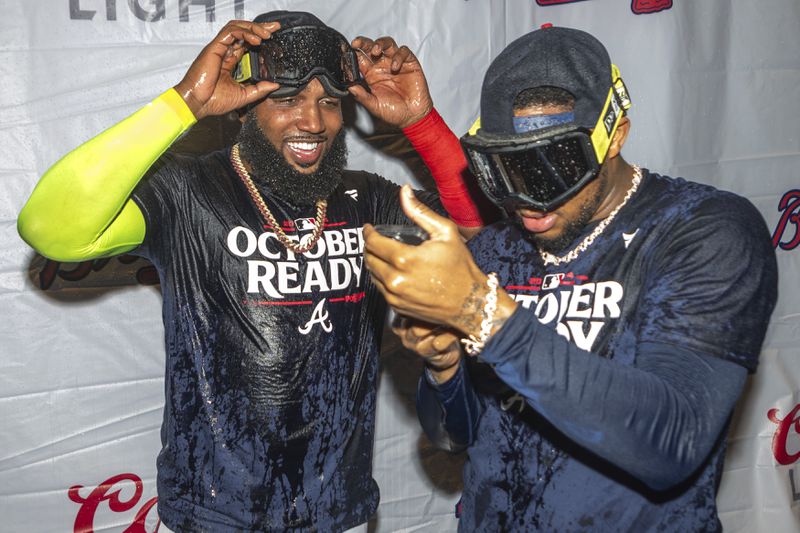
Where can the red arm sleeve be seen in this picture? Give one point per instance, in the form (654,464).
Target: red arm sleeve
(440,150)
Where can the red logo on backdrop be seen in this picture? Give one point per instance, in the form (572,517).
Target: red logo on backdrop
(640,7)
(790,205)
(787,426)
(556,2)
(51,271)
(103,495)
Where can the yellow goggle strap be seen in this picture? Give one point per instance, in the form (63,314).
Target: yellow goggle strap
(475,126)
(616,102)
(243,70)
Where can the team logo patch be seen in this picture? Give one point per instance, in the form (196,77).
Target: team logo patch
(551,281)
(304,224)
(628,237)
(319,316)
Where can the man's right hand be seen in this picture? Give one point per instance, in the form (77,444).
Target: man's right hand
(438,346)
(208,87)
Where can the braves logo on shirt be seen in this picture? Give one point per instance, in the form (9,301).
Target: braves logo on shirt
(333,268)
(318,316)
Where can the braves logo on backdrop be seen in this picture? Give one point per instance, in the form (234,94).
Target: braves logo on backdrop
(107,496)
(789,206)
(578,308)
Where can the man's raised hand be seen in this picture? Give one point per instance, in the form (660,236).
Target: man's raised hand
(208,87)
(398,92)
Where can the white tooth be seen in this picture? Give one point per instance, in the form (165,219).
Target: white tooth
(303,145)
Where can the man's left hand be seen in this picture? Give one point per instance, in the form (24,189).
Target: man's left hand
(398,92)
(439,347)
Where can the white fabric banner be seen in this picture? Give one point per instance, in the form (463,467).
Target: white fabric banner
(716,92)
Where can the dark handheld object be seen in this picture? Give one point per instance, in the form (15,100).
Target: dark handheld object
(406,234)
(292,57)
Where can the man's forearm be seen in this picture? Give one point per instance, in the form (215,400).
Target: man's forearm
(441,151)
(449,411)
(80,208)
(657,420)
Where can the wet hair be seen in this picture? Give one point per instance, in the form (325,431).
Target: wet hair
(545,95)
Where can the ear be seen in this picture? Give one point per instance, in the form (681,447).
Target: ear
(619,138)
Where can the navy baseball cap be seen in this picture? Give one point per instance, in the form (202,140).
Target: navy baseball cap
(566,58)
(290,19)
(302,49)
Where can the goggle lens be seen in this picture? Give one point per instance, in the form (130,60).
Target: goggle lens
(569,158)
(292,57)
(542,174)
(296,54)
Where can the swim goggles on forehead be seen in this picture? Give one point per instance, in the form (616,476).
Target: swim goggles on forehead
(294,56)
(544,167)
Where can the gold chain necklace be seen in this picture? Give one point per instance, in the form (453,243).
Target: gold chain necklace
(319,221)
(550,259)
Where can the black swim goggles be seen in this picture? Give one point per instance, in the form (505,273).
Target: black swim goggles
(542,169)
(294,56)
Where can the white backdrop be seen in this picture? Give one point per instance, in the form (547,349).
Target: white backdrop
(716,92)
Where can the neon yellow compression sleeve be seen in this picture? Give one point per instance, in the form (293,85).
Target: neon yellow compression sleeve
(81,208)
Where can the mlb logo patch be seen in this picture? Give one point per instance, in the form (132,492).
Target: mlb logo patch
(304,224)
(551,281)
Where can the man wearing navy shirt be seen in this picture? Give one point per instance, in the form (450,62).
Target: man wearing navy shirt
(272,327)
(608,325)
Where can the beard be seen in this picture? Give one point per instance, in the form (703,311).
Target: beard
(573,228)
(571,231)
(270,169)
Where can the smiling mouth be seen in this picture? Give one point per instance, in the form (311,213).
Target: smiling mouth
(304,146)
(305,153)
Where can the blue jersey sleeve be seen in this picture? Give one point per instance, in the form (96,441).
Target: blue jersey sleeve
(657,420)
(712,283)
(449,412)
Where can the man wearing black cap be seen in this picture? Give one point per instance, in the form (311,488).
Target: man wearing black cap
(608,325)
(272,327)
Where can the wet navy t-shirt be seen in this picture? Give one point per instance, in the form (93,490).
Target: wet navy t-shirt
(683,266)
(271,356)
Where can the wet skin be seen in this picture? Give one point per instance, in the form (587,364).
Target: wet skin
(593,202)
(301,127)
